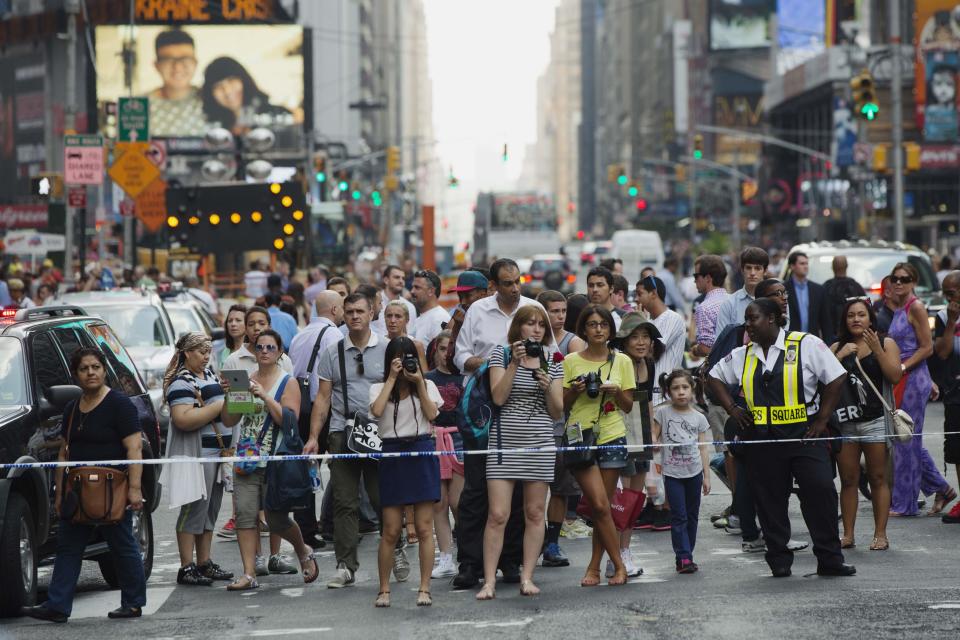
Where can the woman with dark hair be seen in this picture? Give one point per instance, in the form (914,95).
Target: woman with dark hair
(879,358)
(232,98)
(575,305)
(405,404)
(601,413)
(913,469)
(102,424)
(234,329)
(781,375)
(301,310)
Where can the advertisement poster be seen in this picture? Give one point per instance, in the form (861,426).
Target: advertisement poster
(740,24)
(22,112)
(937,43)
(844,133)
(801,32)
(200,77)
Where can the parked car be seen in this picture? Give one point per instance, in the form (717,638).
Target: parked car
(189,314)
(35,385)
(548,271)
(145,329)
(868,262)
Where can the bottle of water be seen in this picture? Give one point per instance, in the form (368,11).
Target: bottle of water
(315,481)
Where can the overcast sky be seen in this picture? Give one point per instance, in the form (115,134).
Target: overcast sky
(485,58)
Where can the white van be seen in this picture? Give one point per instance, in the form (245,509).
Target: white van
(638,249)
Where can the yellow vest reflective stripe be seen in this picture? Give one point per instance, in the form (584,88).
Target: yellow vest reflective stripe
(791,408)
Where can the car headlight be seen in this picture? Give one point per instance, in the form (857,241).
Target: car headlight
(153,378)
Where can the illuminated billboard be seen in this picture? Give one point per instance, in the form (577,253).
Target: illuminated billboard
(740,24)
(199,77)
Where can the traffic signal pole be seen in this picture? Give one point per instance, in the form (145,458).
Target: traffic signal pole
(896,102)
(72,7)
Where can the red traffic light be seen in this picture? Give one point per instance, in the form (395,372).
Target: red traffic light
(581,235)
(641,205)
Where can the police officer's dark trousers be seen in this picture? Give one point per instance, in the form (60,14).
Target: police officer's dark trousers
(472,518)
(772,468)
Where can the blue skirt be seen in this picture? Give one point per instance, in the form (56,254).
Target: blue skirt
(411,480)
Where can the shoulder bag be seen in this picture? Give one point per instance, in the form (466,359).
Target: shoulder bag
(289,487)
(92,495)
(253,447)
(363,434)
(901,420)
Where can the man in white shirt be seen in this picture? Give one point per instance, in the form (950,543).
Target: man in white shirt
(600,291)
(393,278)
(753,266)
(485,328)
(432,317)
(255,281)
(673,332)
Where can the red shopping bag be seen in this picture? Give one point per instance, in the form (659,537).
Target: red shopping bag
(625,508)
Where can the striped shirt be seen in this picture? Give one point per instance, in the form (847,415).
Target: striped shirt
(183,391)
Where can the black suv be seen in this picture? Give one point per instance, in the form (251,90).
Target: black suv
(35,385)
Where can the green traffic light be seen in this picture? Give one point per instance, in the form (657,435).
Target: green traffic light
(356,194)
(321,176)
(870,110)
(621,179)
(633,191)
(343,186)
(698,155)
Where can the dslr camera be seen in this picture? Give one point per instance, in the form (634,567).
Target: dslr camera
(534,349)
(592,381)
(410,362)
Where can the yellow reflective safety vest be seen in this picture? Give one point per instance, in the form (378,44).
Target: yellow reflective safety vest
(776,397)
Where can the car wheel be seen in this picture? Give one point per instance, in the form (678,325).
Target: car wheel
(18,557)
(143,534)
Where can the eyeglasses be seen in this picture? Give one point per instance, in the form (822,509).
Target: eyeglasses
(594,324)
(183,61)
(359,360)
(900,279)
(266,347)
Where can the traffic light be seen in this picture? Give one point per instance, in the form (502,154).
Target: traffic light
(880,158)
(748,191)
(505,156)
(393,159)
(621,176)
(698,146)
(912,152)
(641,205)
(680,171)
(612,173)
(320,168)
(633,191)
(865,101)
(48,186)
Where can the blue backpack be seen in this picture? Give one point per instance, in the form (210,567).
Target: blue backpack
(476,409)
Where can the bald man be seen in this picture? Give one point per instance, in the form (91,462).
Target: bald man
(836,290)
(311,341)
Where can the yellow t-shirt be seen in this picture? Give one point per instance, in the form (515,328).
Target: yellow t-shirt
(586,409)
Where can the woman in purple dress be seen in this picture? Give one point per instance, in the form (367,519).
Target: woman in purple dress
(913,468)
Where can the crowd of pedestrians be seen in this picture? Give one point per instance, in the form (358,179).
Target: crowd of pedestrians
(343,368)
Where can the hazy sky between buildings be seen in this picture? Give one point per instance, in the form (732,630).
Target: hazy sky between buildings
(485,58)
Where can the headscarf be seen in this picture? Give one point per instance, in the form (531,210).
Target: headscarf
(187,342)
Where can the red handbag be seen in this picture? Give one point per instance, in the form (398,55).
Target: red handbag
(625,508)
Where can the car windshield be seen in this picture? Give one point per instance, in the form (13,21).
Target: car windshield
(184,320)
(601,250)
(870,268)
(547,265)
(137,325)
(13,390)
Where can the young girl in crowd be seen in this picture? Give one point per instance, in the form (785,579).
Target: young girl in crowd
(681,427)
(404,405)
(448,437)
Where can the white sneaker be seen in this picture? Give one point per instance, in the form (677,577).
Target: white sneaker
(797,545)
(401,566)
(344,578)
(261,566)
(445,567)
(632,570)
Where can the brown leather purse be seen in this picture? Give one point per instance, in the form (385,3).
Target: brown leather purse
(93,495)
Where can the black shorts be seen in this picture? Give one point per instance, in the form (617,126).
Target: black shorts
(951,431)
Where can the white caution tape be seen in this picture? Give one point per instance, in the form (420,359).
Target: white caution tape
(419,454)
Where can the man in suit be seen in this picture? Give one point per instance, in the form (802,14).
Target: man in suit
(808,311)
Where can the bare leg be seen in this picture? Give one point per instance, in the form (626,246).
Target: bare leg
(247,541)
(456,488)
(185,543)
(441,518)
(392,523)
(876,455)
(500,495)
(592,481)
(411,526)
(423,519)
(848,463)
(534,502)
(203,542)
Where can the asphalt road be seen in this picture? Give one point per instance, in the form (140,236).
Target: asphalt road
(910,591)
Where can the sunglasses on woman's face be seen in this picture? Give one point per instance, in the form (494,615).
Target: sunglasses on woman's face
(266,347)
(900,279)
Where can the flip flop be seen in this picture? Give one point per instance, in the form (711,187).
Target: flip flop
(381,602)
(848,543)
(424,599)
(880,543)
(310,557)
(239,585)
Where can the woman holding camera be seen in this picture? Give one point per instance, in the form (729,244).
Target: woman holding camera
(597,382)
(404,405)
(525,384)
(396,318)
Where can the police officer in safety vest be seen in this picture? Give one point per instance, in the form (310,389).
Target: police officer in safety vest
(780,374)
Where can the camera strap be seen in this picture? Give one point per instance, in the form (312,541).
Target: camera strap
(603,395)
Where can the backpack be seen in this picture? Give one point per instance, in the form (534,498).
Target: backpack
(476,409)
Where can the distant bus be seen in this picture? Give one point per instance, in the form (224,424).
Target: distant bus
(513,225)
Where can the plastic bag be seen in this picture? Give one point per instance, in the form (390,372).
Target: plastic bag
(654,485)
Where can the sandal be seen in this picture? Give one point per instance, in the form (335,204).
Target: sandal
(589,580)
(880,543)
(848,543)
(618,579)
(245,582)
(942,499)
(424,599)
(383,600)
(313,575)
(487,593)
(527,588)
(412,537)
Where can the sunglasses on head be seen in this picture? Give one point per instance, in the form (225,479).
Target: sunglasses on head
(900,279)
(266,347)
(359,360)
(858,299)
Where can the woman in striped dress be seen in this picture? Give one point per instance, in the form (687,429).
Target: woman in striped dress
(527,388)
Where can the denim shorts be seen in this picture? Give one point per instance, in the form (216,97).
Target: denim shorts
(615,457)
